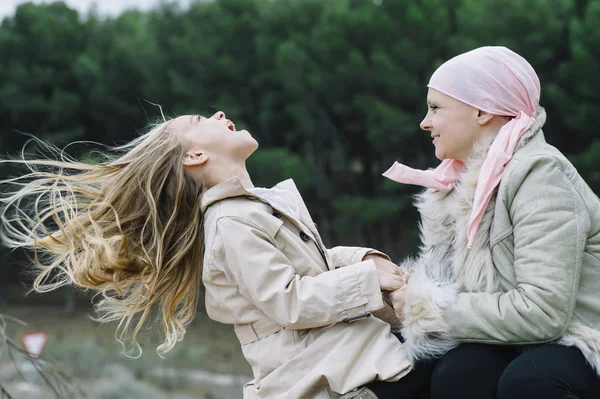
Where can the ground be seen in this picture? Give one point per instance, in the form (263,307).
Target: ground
(208,363)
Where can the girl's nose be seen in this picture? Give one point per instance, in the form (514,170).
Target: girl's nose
(219,115)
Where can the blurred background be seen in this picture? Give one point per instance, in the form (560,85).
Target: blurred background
(333,90)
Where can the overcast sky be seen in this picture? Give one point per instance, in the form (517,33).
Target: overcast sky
(109,7)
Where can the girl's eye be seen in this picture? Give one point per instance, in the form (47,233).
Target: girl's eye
(433,107)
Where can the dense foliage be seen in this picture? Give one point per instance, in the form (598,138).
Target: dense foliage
(333,90)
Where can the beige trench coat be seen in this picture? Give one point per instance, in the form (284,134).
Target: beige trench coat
(300,311)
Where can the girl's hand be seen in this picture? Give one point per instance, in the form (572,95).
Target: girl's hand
(391,277)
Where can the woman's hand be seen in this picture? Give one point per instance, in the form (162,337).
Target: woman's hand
(397,299)
(391,277)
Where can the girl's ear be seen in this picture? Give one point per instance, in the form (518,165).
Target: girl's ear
(195,158)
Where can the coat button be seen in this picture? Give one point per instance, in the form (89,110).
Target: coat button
(277,215)
(304,236)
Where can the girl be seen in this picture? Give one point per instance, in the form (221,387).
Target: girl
(506,285)
(176,205)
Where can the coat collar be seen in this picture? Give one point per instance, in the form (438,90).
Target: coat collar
(234,188)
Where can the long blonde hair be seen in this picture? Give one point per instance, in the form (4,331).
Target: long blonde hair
(129,227)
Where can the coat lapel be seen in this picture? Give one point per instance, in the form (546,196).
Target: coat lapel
(305,219)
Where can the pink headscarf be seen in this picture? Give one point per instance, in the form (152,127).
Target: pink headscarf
(495,80)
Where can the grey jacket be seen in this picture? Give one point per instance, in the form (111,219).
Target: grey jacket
(533,274)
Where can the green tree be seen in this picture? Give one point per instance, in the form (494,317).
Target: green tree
(333,90)
(39,92)
(351,94)
(537,29)
(114,69)
(578,93)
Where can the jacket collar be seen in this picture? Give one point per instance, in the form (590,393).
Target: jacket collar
(234,188)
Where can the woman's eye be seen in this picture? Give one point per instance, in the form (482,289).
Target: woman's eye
(433,107)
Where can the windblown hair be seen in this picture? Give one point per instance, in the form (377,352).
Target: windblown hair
(128,227)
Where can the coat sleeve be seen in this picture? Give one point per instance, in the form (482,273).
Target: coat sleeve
(267,278)
(550,227)
(344,256)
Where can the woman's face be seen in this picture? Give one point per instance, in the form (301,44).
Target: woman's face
(453,125)
(215,137)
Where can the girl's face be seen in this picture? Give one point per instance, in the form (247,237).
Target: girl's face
(214,138)
(453,125)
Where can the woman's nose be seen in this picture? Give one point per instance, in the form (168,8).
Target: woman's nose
(425,123)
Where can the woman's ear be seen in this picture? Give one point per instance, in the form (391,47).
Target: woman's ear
(195,158)
(483,118)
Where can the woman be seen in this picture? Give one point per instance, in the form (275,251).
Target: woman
(136,227)
(506,286)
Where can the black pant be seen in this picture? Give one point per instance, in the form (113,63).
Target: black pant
(415,385)
(550,371)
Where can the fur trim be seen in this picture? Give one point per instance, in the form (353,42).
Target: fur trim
(474,267)
(587,340)
(424,328)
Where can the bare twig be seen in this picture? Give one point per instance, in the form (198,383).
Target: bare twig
(5,395)
(53,375)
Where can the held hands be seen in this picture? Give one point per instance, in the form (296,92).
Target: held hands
(397,300)
(391,277)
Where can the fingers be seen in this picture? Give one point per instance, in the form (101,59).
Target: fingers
(406,277)
(397,298)
(387,266)
(394,268)
(390,282)
(399,313)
